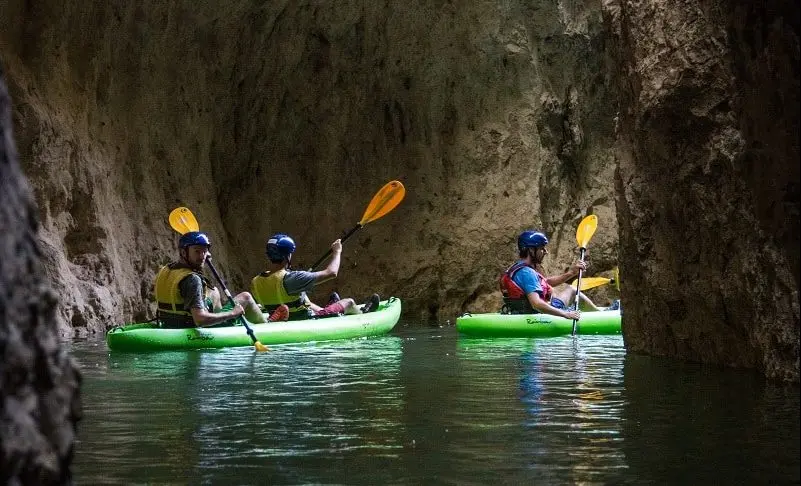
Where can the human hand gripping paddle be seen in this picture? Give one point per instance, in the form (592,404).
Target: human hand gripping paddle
(183,221)
(583,235)
(384,201)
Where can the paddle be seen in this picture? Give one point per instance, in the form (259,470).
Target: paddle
(183,221)
(384,201)
(592,282)
(584,232)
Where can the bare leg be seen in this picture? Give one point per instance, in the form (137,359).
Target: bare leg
(586,300)
(567,294)
(350,306)
(252,310)
(216,303)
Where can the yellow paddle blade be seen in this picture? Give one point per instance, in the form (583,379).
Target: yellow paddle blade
(384,201)
(586,229)
(588,283)
(183,221)
(617,279)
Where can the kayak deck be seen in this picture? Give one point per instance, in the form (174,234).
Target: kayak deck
(537,325)
(150,337)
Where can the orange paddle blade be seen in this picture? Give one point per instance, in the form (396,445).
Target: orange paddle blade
(183,221)
(384,201)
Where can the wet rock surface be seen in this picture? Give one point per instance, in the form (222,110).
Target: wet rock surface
(708,180)
(39,401)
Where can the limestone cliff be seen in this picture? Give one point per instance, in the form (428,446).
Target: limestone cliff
(39,402)
(288,116)
(678,120)
(708,181)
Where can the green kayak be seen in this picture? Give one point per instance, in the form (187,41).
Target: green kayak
(150,337)
(537,325)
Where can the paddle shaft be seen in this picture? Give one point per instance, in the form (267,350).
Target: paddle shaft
(343,239)
(230,298)
(582,251)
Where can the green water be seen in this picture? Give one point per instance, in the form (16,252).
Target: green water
(422,406)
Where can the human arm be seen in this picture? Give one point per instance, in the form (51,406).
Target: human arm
(332,269)
(529,281)
(191,289)
(204,318)
(555,280)
(538,303)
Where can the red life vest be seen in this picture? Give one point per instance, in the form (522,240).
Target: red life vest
(512,291)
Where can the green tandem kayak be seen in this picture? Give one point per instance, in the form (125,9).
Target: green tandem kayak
(150,337)
(537,325)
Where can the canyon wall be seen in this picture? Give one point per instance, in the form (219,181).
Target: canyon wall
(39,398)
(289,116)
(678,121)
(708,180)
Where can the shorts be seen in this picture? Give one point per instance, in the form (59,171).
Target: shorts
(330,310)
(558,303)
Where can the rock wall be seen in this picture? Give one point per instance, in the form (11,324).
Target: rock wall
(288,117)
(39,402)
(679,120)
(708,181)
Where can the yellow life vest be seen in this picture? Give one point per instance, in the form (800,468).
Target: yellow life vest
(268,290)
(168,295)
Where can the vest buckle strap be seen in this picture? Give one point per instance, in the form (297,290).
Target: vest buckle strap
(167,306)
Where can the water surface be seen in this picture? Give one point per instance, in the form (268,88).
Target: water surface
(423,406)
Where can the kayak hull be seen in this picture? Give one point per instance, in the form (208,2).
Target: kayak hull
(145,337)
(537,325)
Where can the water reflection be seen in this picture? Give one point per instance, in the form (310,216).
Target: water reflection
(691,423)
(427,407)
(569,392)
(214,415)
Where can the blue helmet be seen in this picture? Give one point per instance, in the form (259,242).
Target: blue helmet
(194,238)
(280,246)
(531,239)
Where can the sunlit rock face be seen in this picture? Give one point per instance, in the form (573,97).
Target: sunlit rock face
(38,382)
(708,183)
(289,116)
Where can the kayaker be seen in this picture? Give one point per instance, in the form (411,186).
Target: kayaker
(281,285)
(186,298)
(526,290)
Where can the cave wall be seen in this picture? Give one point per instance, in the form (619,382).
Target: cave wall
(39,397)
(288,116)
(708,181)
